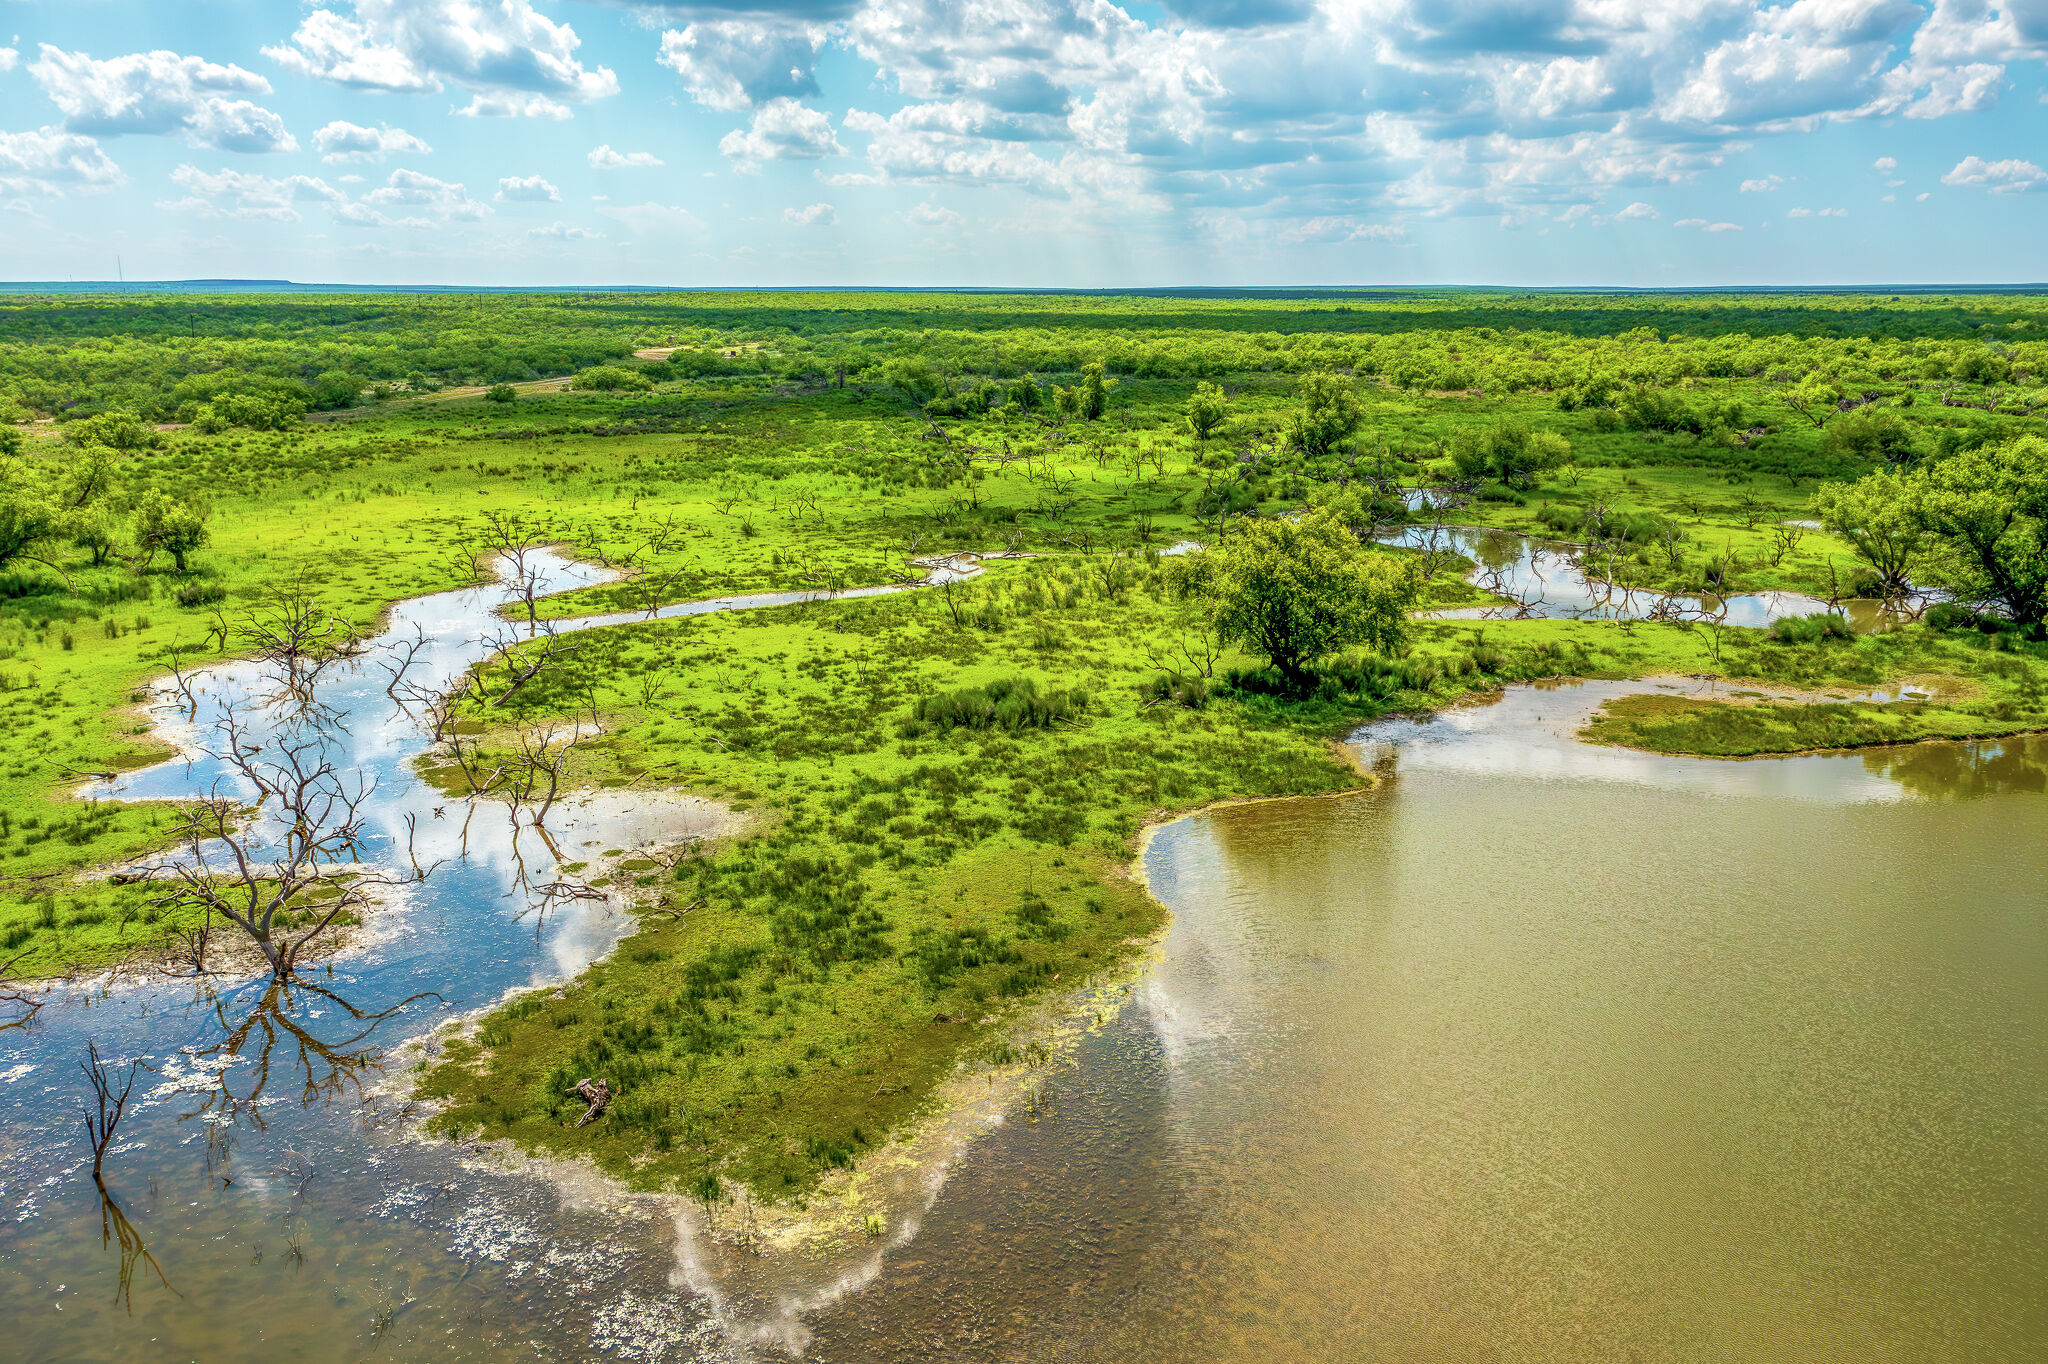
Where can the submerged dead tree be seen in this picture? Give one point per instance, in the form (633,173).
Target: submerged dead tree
(287,870)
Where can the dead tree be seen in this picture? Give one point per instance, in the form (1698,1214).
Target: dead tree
(288,631)
(110,1104)
(310,864)
(512,543)
(596,1093)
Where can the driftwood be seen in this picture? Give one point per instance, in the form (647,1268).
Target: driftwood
(596,1093)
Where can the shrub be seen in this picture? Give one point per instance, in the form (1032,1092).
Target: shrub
(1012,704)
(1810,629)
(501,393)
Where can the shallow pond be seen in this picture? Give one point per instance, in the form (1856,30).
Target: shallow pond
(1535,1050)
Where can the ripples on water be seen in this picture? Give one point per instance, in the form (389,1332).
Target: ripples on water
(1537,1050)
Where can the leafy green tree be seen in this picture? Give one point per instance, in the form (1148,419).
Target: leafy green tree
(608,379)
(1297,589)
(1871,433)
(10,441)
(1877,517)
(336,389)
(1025,395)
(94,530)
(1091,399)
(115,430)
(169,525)
(28,516)
(1813,398)
(1330,414)
(1987,510)
(1508,452)
(1206,409)
(501,393)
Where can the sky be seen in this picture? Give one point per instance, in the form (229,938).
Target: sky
(1059,143)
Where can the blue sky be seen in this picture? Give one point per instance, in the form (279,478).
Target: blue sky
(1025,142)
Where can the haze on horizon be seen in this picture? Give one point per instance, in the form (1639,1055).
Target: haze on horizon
(1064,143)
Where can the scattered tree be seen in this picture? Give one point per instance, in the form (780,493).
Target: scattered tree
(1330,414)
(169,525)
(1206,409)
(1298,589)
(501,393)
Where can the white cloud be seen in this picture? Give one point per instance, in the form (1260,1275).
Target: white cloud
(511,58)
(340,142)
(1763,186)
(604,158)
(735,64)
(1887,164)
(47,160)
(815,215)
(1833,213)
(439,198)
(661,220)
(161,92)
(1705,226)
(8,58)
(564,232)
(258,198)
(783,130)
(528,189)
(934,216)
(1638,209)
(2000,177)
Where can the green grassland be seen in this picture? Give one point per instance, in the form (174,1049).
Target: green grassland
(948,783)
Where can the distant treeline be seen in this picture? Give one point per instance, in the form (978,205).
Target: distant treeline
(254,358)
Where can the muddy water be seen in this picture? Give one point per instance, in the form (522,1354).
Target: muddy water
(1534,1051)
(1541,1051)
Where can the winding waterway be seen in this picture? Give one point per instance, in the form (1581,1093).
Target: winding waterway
(1533,1050)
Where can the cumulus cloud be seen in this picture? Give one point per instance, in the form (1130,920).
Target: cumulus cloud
(1763,186)
(258,198)
(1999,177)
(527,189)
(161,92)
(513,60)
(783,130)
(48,160)
(425,195)
(1638,210)
(8,58)
(604,158)
(735,64)
(814,215)
(1887,164)
(341,142)
(1706,226)
(934,216)
(565,232)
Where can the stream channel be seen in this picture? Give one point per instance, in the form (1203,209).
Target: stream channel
(1532,1050)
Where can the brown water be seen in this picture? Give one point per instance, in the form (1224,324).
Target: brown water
(1536,1051)
(1543,1052)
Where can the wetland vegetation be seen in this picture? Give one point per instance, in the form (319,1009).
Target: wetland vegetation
(945,784)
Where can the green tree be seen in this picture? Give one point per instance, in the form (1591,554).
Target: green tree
(92,529)
(336,389)
(28,516)
(501,393)
(1813,398)
(1871,433)
(1091,399)
(1987,510)
(1877,517)
(169,525)
(608,379)
(10,441)
(1297,589)
(1508,452)
(1330,413)
(1206,409)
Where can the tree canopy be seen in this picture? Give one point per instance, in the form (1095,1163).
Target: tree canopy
(1298,589)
